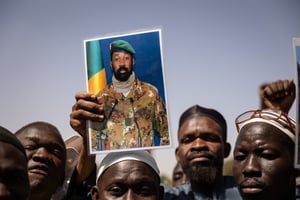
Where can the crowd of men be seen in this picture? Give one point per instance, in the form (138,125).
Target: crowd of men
(34,160)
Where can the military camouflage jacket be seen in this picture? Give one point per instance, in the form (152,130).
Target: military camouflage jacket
(135,120)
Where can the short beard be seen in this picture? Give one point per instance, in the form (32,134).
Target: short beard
(122,76)
(203,175)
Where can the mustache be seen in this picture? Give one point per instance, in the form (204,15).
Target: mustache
(122,68)
(252,182)
(205,154)
(39,166)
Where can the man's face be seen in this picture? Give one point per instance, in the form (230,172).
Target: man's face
(179,177)
(14,183)
(201,149)
(46,158)
(263,166)
(128,180)
(122,65)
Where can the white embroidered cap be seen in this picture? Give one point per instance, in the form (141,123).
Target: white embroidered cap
(115,157)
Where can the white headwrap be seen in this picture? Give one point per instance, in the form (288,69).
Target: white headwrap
(115,157)
(275,118)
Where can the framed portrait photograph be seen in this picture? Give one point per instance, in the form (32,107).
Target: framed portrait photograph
(126,72)
(296,52)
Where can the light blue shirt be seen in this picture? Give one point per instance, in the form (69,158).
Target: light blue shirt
(228,191)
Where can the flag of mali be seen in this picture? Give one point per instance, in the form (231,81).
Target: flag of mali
(95,68)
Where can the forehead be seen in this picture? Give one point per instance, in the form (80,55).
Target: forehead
(177,168)
(42,134)
(262,133)
(199,124)
(121,53)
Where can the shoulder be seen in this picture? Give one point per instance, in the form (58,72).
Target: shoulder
(179,192)
(107,91)
(230,188)
(147,86)
(229,182)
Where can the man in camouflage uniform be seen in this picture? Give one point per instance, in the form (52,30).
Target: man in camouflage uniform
(128,113)
(134,110)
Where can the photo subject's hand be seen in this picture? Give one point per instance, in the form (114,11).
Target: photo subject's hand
(278,95)
(86,107)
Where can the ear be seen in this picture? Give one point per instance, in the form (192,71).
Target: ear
(95,193)
(110,65)
(161,192)
(227,148)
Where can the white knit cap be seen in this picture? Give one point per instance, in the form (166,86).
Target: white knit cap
(275,118)
(115,157)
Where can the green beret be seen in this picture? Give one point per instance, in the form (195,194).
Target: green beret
(121,45)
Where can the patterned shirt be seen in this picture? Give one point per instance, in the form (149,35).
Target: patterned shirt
(132,121)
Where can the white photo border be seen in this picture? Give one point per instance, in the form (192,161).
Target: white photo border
(140,40)
(296,56)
